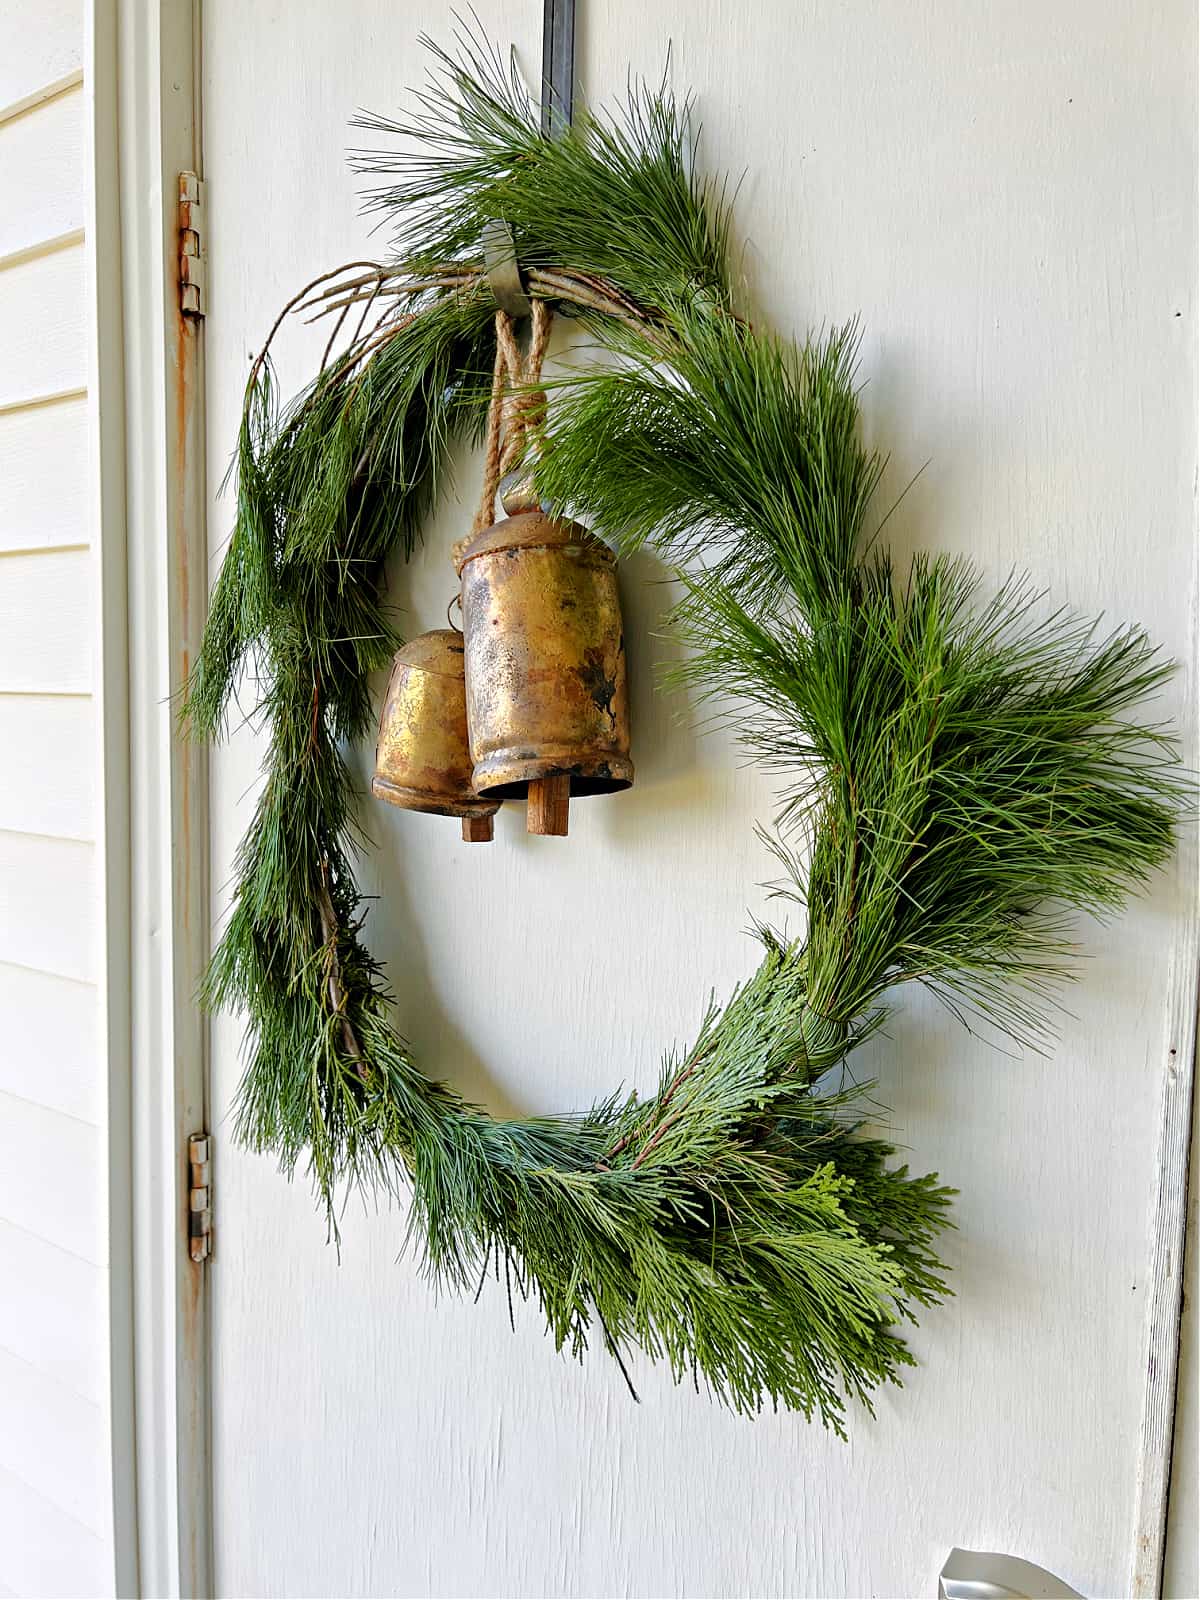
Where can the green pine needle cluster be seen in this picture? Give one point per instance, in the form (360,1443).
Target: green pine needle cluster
(614,198)
(957,775)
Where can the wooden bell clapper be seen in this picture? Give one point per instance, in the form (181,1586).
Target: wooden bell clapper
(548,805)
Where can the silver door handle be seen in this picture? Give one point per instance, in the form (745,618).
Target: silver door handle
(981,1575)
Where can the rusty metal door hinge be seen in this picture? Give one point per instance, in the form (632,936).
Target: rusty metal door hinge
(200,1225)
(193,263)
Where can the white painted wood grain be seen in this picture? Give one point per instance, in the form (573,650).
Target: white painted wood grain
(48,890)
(41,173)
(42,326)
(1007,196)
(51,1050)
(44,1551)
(52,1177)
(38,48)
(43,475)
(50,771)
(53,1440)
(47,629)
(52,1312)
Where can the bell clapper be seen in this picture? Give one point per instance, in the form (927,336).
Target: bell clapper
(477,830)
(548,804)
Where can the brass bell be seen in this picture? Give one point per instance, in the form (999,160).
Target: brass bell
(422,760)
(547,697)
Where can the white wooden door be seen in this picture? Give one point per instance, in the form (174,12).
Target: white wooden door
(1006,194)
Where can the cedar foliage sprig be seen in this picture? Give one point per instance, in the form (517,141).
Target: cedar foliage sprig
(955,777)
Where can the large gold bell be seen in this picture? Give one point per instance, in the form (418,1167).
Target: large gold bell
(547,698)
(422,759)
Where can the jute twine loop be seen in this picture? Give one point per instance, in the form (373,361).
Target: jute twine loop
(515,408)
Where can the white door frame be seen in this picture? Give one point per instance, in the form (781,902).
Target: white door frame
(149,496)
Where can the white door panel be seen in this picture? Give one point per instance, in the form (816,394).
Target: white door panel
(975,181)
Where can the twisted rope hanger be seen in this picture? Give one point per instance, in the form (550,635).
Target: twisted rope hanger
(517,404)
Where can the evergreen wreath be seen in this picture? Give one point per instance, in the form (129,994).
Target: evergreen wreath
(958,776)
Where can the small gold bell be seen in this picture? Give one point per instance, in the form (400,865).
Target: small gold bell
(422,760)
(547,698)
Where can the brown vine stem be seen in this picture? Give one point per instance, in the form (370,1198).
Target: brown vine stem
(675,1084)
(580,289)
(322,305)
(593,294)
(436,277)
(295,301)
(654,1138)
(337,994)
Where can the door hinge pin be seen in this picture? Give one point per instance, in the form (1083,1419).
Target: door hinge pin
(193,263)
(200,1223)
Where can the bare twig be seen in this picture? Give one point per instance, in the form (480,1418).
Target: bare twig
(295,301)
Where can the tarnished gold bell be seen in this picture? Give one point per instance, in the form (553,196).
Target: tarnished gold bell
(422,759)
(547,697)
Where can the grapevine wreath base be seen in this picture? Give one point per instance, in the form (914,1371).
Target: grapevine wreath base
(957,775)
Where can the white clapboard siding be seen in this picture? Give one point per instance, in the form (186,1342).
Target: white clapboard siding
(47,635)
(43,475)
(40,1281)
(42,308)
(48,890)
(44,1551)
(52,1170)
(48,1048)
(52,1178)
(41,174)
(40,46)
(54,1440)
(49,785)
(55,1495)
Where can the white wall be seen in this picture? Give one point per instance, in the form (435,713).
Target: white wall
(55,1510)
(1006,194)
